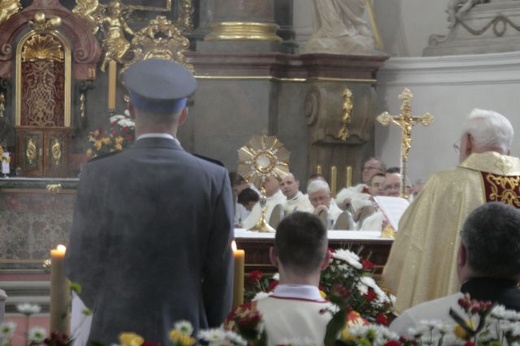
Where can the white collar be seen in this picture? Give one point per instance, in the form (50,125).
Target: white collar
(307,292)
(158,135)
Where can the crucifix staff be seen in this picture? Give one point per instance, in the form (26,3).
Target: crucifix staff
(406,121)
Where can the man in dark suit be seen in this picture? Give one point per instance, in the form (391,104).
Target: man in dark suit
(150,240)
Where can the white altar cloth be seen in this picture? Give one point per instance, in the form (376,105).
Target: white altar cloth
(332,235)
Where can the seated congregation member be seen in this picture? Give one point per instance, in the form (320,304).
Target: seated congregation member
(274,197)
(392,185)
(247,199)
(488,266)
(420,266)
(377,185)
(346,195)
(295,199)
(295,309)
(238,184)
(321,200)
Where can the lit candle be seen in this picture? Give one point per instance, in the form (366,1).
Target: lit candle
(319,170)
(348,176)
(60,295)
(112,69)
(333,180)
(238,278)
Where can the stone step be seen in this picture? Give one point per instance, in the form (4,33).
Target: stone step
(32,292)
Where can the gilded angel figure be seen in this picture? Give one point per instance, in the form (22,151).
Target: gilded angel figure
(8,8)
(115,43)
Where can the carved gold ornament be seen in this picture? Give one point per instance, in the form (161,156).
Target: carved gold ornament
(346,118)
(159,39)
(8,8)
(91,11)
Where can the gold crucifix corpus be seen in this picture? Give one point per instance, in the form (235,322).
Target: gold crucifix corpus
(406,121)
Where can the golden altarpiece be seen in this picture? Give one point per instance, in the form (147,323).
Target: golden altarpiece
(45,49)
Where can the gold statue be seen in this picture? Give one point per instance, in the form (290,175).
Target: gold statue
(115,43)
(346,118)
(91,11)
(406,121)
(8,8)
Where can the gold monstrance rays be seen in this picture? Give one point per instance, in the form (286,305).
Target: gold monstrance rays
(406,121)
(261,157)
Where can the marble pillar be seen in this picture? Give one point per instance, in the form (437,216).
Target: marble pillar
(241,25)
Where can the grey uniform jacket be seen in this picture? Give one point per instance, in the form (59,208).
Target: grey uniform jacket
(150,241)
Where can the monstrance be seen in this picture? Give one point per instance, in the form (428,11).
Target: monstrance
(262,157)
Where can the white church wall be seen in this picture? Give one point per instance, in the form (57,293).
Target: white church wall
(449,88)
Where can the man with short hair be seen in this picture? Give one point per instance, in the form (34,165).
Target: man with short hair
(371,167)
(295,310)
(296,200)
(420,266)
(320,198)
(377,185)
(392,185)
(150,242)
(488,266)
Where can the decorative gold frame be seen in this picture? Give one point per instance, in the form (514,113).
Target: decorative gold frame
(151,8)
(68,75)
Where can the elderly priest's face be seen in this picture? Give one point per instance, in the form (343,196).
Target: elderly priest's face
(320,197)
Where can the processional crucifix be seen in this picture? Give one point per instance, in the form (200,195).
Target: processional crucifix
(406,121)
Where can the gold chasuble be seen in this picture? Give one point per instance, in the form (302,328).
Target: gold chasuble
(422,262)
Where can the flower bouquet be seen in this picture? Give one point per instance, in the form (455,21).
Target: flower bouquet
(119,135)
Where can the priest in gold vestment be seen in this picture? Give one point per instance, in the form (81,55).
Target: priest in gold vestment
(421,265)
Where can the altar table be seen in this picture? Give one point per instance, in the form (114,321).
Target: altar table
(367,244)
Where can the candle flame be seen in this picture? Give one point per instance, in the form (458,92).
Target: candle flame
(62,248)
(234,246)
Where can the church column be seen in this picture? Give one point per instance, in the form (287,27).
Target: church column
(241,25)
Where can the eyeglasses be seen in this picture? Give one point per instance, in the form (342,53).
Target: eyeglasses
(368,168)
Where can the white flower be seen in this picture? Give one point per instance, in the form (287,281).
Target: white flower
(215,336)
(28,309)
(276,276)
(261,295)
(235,339)
(116,118)
(349,257)
(37,335)
(183,327)
(126,123)
(7,329)
(305,341)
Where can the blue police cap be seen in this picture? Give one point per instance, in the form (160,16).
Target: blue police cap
(158,85)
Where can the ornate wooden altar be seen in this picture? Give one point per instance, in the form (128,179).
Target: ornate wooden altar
(45,50)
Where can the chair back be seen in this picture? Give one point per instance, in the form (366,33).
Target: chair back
(344,221)
(277,215)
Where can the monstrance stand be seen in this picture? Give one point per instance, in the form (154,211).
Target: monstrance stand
(262,157)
